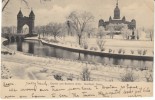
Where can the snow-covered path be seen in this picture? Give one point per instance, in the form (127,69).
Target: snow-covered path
(27,67)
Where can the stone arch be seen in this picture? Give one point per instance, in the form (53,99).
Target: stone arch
(22,20)
(25,29)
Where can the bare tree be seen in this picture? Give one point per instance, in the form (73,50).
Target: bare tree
(90,31)
(6,2)
(128,76)
(79,22)
(38,30)
(101,44)
(151,35)
(111,28)
(85,74)
(124,32)
(101,32)
(55,29)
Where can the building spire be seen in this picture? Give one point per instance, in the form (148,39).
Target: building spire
(117,3)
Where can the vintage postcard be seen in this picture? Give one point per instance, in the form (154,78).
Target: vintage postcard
(77,48)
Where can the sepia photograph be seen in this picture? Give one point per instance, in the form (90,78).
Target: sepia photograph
(72,40)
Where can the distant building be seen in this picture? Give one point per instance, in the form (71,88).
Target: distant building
(117,21)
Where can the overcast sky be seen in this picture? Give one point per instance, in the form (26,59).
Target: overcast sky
(58,10)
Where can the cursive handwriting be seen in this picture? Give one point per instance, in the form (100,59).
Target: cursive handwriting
(50,89)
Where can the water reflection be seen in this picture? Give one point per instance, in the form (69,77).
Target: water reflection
(31,48)
(37,48)
(19,46)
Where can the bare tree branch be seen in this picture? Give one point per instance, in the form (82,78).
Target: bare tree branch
(26,3)
(79,22)
(7,2)
(5,5)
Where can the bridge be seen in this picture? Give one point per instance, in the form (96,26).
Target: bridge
(17,37)
(14,37)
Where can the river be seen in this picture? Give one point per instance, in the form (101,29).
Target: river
(37,48)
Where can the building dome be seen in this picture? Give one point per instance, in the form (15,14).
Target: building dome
(117,8)
(117,12)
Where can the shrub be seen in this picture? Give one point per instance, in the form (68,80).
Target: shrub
(110,50)
(58,77)
(5,73)
(95,48)
(101,43)
(132,52)
(139,52)
(120,51)
(128,77)
(103,49)
(85,46)
(123,52)
(85,74)
(91,48)
(70,77)
(144,52)
(149,78)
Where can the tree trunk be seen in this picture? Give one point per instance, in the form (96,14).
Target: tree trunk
(79,58)
(55,38)
(79,40)
(39,35)
(88,35)
(150,36)
(43,34)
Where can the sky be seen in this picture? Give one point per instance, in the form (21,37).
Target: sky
(57,10)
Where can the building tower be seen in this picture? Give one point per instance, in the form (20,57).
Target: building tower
(31,22)
(19,21)
(117,12)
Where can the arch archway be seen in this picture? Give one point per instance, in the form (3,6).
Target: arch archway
(22,20)
(25,29)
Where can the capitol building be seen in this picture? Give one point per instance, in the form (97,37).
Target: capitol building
(117,22)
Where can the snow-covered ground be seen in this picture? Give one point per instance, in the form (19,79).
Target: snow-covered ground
(116,44)
(24,66)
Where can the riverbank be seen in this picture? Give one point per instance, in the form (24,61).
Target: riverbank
(21,66)
(127,53)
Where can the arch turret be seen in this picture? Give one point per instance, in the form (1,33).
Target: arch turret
(20,14)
